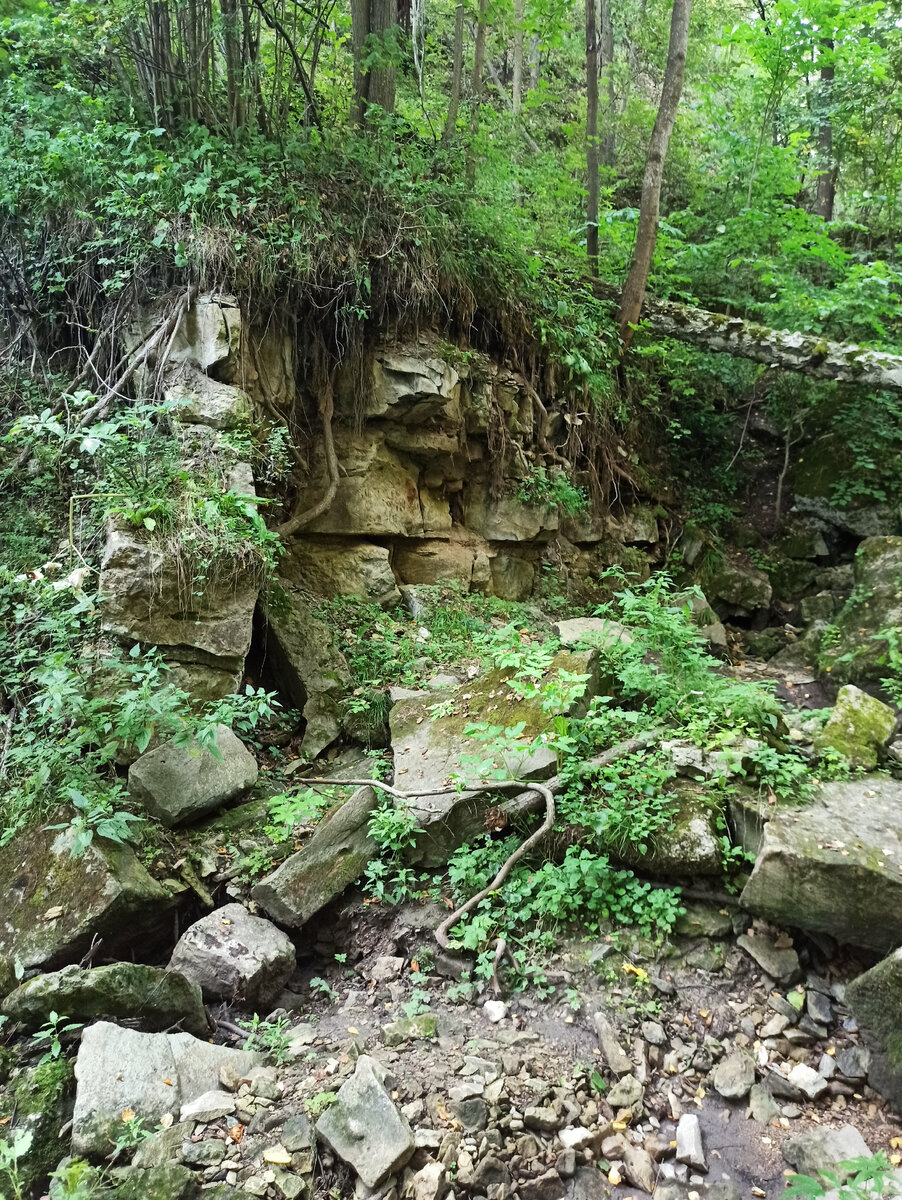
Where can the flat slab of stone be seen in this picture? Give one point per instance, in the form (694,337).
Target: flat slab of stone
(430,746)
(176,784)
(335,857)
(591,631)
(150,1073)
(156,998)
(231,955)
(832,866)
(364,1128)
(55,904)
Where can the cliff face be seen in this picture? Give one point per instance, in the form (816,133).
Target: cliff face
(448,465)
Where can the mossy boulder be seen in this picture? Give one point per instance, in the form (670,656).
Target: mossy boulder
(875,999)
(859,727)
(154,998)
(735,587)
(832,866)
(58,903)
(689,844)
(169,1182)
(431,746)
(38,1099)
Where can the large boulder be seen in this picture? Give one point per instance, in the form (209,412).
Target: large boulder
(833,865)
(430,747)
(155,998)
(874,604)
(875,999)
(740,589)
(57,903)
(342,567)
(335,857)
(364,1128)
(505,518)
(310,671)
(232,955)
(689,844)
(38,1101)
(859,727)
(153,1074)
(176,784)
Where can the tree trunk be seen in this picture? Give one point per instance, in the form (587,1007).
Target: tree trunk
(517,81)
(457,74)
(804,353)
(647,231)
(476,89)
(371,22)
(826,181)
(592,137)
(606,63)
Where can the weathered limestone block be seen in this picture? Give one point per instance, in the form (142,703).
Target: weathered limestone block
(505,519)
(378,493)
(513,578)
(875,999)
(364,1128)
(151,1073)
(410,384)
(203,401)
(209,335)
(177,784)
(874,604)
(308,668)
(146,598)
(332,567)
(833,865)
(431,561)
(55,903)
(742,589)
(335,857)
(232,955)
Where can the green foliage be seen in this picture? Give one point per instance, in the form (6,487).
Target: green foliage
(853,1180)
(393,828)
(552,489)
(11,1151)
(286,810)
(270,1038)
(51,1035)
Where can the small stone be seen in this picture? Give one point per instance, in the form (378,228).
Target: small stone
(576,1138)
(296,1133)
(549,1186)
(545,1120)
(819,1007)
(565,1164)
(822,1149)
(806,1079)
(762,1106)
(781,1005)
(410,1029)
(780,964)
(639,1168)
(527,1146)
(689,1148)
(614,1054)
(734,1076)
(208,1107)
(385,968)
(628,1093)
(774,1027)
(854,1062)
(203,1154)
(495,1010)
(791,1111)
(429,1183)
(277,1154)
(653,1032)
(472,1114)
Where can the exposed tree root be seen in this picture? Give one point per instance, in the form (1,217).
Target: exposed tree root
(326,408)
(530,794)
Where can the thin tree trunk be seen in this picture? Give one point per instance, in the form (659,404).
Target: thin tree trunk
(535,63)
(607,77)
(826,181)
(647,232)
(592,137)
(457,74)
(517,81)
(372,19)
(476,89)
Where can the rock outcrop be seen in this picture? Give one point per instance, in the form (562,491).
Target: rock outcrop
(845,842)
(875,999)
